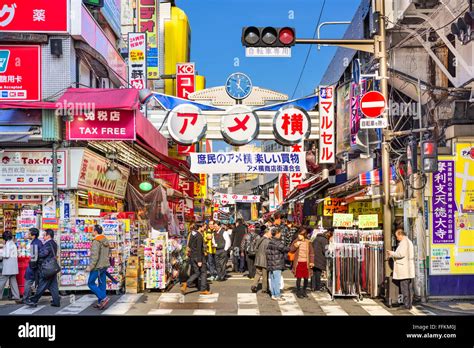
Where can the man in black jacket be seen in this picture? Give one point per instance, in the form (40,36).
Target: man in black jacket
(276,252)
(221,252)
(198,261)
(48,251)
(237,235)
(320,245)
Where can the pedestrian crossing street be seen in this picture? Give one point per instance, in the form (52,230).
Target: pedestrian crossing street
(243,304)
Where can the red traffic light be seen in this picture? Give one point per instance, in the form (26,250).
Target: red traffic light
(268,37)
(287,36)
(429,149)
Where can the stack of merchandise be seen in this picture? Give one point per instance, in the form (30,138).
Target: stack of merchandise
(372,261)
(26,220)
(155,264)
(135,280)
(113,232)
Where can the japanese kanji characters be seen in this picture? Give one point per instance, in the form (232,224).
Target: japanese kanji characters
(291,125)
(326,125)
(443,203)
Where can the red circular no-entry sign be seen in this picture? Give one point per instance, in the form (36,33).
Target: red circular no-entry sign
(372,104)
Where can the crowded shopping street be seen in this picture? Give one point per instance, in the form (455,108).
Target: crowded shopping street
(165,162)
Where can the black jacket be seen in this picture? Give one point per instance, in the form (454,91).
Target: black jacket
(219,239)
(196,246)
(320,244)
(276,252)
(237,235)
(48,251)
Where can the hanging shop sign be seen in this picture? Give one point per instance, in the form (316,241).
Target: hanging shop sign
(356,90)
(252,163)
(297,177)
(186,124)
(443,203)
(20,72)
(342,220)
(240,125)
(103,125)
(465,176)
(365,208)
(51,223)
(291,125)
(326,125)
(342,116)
(39,16)
(284,182)
(234,198)
(148,22)
(92,176)
(137,72)
(21,199)
(200,188)
(185,80)
(32,169)
(334,205)
(100,201)
(369,221)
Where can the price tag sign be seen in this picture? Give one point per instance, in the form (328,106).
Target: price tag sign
(342,220)
(369,221)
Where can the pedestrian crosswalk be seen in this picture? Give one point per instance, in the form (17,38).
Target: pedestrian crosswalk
(195,304)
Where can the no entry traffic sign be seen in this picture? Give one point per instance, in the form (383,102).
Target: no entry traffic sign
(373,104)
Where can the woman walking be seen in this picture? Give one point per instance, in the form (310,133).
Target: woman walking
(303,263)
(10,267)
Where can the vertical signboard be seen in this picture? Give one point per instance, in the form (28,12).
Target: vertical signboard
(443,203)
(148,23)
(326,125)
(185,80)
(296,178)
(20,73)
(342,115)
(137,72)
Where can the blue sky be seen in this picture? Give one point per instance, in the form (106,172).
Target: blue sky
(216,27)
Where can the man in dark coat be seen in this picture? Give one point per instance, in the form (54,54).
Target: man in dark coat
(198,261)
(238,235)
(261,262)
(276,252)
(48,251)
(32,272)
(320,245)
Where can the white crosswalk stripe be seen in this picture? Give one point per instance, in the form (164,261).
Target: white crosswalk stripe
(27,310)
(322,297)
(247,304)
(420,311)
(204,312)
(290,306)
(376,310)
(78,306)
(123,304)
(366,301)
(160,312)
(333,310)
(212,298)
(171,298)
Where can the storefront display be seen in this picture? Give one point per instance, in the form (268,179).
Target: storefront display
(26,220)
(156,257)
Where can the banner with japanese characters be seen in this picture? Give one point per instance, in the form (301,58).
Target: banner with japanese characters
(137,72)
(452,214)
(102,125)
(327,143)
(148,22)
(229,198)
(38,16)
(251,163)
(185,80)
(334,205)
(20,72)
(296,179)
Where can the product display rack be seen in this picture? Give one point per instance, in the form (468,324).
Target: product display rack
(372,261)
(344,264)
(156,261)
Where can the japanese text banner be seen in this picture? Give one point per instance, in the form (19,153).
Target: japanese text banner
(254,162)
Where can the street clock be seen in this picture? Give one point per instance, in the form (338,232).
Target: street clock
(238,86)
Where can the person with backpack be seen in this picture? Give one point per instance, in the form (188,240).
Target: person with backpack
(48,270)
(261,262)
(10,267)
(99,262)
(32,272)
(249,248)
(276,251)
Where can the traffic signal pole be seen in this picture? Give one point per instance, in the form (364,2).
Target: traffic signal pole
(376,46)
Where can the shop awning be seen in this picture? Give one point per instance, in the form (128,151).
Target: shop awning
(27,105)
(102,98)
(344,188)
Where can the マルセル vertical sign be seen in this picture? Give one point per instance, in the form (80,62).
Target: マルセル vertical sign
(326,125)
(20,73)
